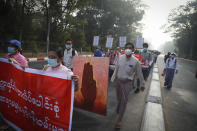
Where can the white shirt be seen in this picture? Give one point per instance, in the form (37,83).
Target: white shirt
(171,63)
(126,69)
(68,58)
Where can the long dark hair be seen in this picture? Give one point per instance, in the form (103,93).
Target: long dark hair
(58,50)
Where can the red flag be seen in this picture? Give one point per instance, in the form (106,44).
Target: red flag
(138,56)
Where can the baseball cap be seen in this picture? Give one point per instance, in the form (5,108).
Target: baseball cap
(15,42)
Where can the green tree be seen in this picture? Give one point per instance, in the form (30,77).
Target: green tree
(183,25)
(112,17)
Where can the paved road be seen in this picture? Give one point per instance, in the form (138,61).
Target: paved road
(180,103)
(86,121)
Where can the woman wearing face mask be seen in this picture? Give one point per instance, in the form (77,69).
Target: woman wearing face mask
(171,67)
(125,69)
(14,53)
(55,56)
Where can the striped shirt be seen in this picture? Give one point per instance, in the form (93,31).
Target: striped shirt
(19,58)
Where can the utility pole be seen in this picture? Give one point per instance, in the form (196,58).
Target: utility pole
(48,25)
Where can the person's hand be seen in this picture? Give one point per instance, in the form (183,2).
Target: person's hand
(164,71)
(12,60)
(9,59)
(46,67)
(176,71)
(142,89)
(15,62)
(75,78)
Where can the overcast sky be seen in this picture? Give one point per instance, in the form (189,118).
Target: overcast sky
(155,16)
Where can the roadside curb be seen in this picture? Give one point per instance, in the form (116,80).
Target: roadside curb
(187,60)
(153,119)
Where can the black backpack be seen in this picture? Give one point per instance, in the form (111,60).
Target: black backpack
(73,52)
(165,58)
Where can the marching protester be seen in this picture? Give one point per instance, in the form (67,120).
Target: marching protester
(14,53)
(137,90)
(55,56)
(125,68)
(171,66)
(113,57)
(167,56)
(156,53)
(98,52)
(107,53)
(122,51)
(147,59)
(118,49)
(196,74)
(69,53)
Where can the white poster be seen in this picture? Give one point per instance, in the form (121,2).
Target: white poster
(122,41)
(96,41)
(139,42)
(109,42)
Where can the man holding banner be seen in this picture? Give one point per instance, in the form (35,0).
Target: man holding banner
(125,69)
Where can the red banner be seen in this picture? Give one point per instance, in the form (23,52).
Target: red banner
(35,100)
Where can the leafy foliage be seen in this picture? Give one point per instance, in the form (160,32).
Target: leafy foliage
(27,21)
(183,25)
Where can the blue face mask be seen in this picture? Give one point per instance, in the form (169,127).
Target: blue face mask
(145,49)
(68,46)
(11,50)
(52,62)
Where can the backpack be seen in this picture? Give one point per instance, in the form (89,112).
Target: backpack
(165,58)
(73,52)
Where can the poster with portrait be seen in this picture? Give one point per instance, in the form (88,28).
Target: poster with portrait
(93,83)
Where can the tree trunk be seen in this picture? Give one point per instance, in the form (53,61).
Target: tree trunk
(191,46)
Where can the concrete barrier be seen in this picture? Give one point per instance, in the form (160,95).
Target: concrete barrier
(153,119)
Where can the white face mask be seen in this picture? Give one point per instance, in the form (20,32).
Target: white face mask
(128,51)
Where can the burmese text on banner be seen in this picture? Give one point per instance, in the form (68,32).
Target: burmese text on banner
(32,99)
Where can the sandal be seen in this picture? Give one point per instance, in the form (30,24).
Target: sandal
(118,125)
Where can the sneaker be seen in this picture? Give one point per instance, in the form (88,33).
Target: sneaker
(168,87)
(137,90)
